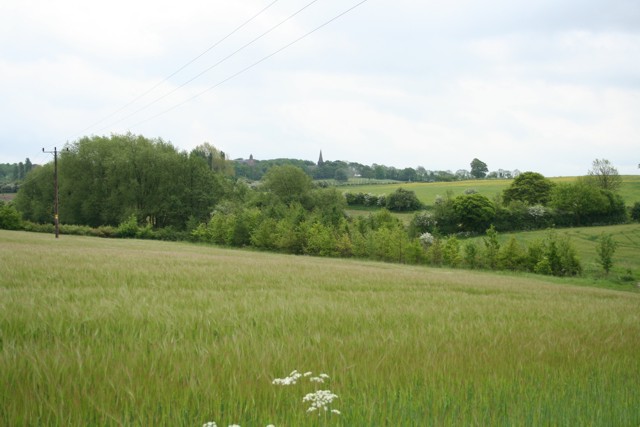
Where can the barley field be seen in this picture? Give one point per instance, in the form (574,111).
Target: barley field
(142,333)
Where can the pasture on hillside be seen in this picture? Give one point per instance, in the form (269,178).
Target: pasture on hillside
(130,332)
(428,191)
(626,259)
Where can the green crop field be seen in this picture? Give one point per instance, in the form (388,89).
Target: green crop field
(125,332)
(427,191)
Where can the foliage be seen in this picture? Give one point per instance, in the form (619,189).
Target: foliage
(491,248)
(635,212)
(451,252)
(473,212)
(583,204)
(288,183)
(422,222)
(35,198)
(531,188)
(9,217)
(471,254)
(606,248)
(403,200)
(511,256)
(365,199)
(604,175)
(14,172)
(479,169)
(103,181)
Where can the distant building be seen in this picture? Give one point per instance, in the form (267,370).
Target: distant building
(320,160)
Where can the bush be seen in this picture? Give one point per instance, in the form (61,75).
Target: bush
(635,212)
(511,256)
(606,248)
(38,228)
(403,200)
(554,256)
(128,228)
(422,222)
(9,217)
(473,212)
(471,254)
(451,252)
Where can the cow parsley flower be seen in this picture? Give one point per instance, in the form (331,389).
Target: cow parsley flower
(320,399)
(290,380)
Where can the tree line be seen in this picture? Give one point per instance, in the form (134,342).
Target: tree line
(11,174)
(132,186)
(342,171)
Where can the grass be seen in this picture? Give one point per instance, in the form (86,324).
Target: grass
(117,332)
(428,191)
(585,239)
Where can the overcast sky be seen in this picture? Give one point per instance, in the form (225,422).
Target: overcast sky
(545,86)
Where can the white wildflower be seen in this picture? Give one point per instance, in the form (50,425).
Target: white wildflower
(321,399)
(306,374)
(291,379)
(335,411)
(210,424)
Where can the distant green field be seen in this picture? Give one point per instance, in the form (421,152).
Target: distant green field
(427,192)
(98,332)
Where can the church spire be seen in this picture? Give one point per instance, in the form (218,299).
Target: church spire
(320,161)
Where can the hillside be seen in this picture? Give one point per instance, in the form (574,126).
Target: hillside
(130,332)
(428,191)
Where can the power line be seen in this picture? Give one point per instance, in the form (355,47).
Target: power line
(210,88)
(166,79)
(213,66)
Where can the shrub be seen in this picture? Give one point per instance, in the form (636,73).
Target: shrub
(473,212)
(422,222)
(434,253)
(606,248)
(451,252)
(511,256)
(128,228)
(403,200)
(321,241)
(471,254)
(492,248)
(9,217)
(635,211)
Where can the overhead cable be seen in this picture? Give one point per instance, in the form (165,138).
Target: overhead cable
(251,66)
(166,79)
(213,66)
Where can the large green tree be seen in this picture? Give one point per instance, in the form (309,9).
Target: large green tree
(531,188)
(288,183)
(105,180)
(479,169)
(473,212)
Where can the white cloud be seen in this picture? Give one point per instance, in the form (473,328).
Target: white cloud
(545,86)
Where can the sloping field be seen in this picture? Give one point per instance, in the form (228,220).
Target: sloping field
(626,259)
(114,332)
(427,191)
